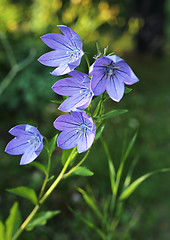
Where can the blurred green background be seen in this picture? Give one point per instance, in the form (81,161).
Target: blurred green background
(139,32)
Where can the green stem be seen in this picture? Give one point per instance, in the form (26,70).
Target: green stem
(74,168)
(28,219)
(45,196)
(87,60)
(60,176)
(46,176)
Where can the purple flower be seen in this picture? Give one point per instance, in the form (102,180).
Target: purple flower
(67,51)
(28,141)
(110,74)
(77,88)
(78,129)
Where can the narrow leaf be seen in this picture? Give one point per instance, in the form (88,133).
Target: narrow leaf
(98,48)
(123,160)
(39,166)
(112,53)
(130,172)
(105,50)
(89,223)
(126,193)
(83,171)
(51,178)
(25,192)
(13,221)
(2,231)
(114,113)
(41,219)
(99,131)
(57,101)
(111,167)
(91,203)
(52,144)
(127,90)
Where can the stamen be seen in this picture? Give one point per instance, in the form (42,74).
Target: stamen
(35,140)
(74,54)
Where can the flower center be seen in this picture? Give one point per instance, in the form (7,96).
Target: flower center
(74,54)
(82,129)
(35,141)
(86,92)
(109,72)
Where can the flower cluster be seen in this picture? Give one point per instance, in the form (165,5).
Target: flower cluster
(109,73)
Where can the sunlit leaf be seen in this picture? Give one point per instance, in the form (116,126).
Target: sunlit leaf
(129,190)
(2,231)
(83,171)
(51,178)
(41,219)
(99,131)
(25,192)
(114,113)
(13,221)
(98,48)
(105,50)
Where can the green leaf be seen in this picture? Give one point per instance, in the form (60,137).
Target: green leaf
(88,223)
(99,131)
(91,203)
(52,144)
(83,171)
(128,191)
(25,192)
(41,219)
(123,160)
(130,172)
(128,90)
(13,221)
(114,113)
(39,166)
(2,231)
(51,178)
(66,153)
(57,101)
(98,48)
(112,53)
(111,167)
(105,50)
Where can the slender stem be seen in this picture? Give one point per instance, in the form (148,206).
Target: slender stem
(46,176)
(8,50)
(60,176)
(28,219)
(74,168)
(87,60)
(43,185)
(46,195)
(14,70)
